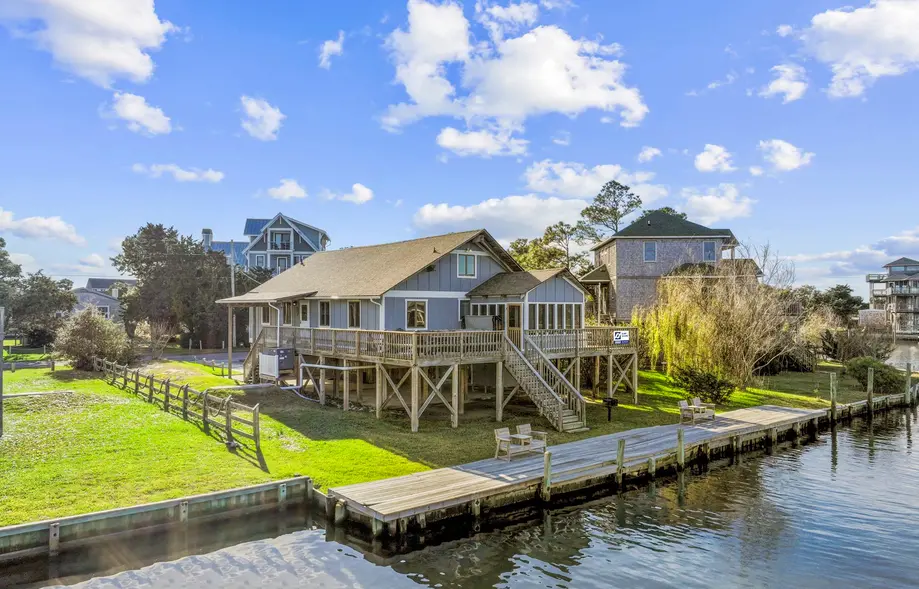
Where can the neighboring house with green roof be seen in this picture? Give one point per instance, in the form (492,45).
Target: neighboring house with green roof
(278,243)
(628,264)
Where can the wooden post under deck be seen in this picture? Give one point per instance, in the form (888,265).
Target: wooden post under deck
(635,379)
(379,390)
(229,341)
(596,387)
(321,390)
(609,375)
(576,380)
(499,391)
(416,390)
(346,390)
(454,389)
(464,388)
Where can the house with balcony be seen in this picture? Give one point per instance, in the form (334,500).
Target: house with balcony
(897,292)
(278,243)
(417,321)
(629,264)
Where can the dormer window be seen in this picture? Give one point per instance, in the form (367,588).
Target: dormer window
(709,251)
(465,265)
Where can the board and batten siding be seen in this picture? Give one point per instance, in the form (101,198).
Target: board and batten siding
(443,313)
(370,314)
(443,277)
(556,290)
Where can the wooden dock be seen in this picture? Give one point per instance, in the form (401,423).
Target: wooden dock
(393,506)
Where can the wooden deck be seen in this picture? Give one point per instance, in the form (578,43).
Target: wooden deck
(434,494)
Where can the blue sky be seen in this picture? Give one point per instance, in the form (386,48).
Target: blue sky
(790,122)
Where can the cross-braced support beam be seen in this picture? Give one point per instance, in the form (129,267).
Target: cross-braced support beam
(390,389)
(627,372)
(436,391)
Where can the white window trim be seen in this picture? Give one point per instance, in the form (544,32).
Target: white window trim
(459,308)
(329,303)
(475,260)
(359,313)
(262,318)
(305,304)
(714,245)
(107,310)
(644,256)
(427,319)
(260,257)
(287,317)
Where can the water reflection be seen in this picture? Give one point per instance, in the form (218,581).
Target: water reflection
(840,512)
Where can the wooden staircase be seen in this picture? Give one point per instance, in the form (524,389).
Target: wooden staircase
(250,364)
(556,398)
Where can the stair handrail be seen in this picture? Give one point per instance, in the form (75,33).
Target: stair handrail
(253,352)
(574,395)
(520,355)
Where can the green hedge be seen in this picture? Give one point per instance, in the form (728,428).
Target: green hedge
(887,379)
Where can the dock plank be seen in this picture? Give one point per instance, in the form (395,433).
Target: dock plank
(417,493)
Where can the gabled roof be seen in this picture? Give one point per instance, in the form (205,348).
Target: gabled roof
(88,291)
(519,283)
(598,274)
(659,224)
(107,283)
(295,225)
(903,262)
(239,249)
(368,271)
(256,226)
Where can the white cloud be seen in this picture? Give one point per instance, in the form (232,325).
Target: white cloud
(39,228)
(262,120)
(359,195)
(27,261)
(485,143)
(648,153)
(790,81)
(93,261)
(717,203)
(507,80)
(714,158)
(501,20)
(506,218)
(575,180)
(784,156)
(179,174)
(289,189)
(563,138)
(557,4)
(329,48)
(904,244)
(140,116)
(861,45)
(784,30)
(756,171)
(99,40)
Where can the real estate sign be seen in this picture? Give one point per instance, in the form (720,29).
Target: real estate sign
(621,337)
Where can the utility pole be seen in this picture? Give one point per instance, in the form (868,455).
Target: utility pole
(2,339)
(232,330)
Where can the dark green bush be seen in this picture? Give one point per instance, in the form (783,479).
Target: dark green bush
(887,379)
(707,386)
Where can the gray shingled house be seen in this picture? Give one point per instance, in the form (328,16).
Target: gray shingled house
(629,264)
(428,310)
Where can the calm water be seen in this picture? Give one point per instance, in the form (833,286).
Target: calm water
(840,512)
(903,353)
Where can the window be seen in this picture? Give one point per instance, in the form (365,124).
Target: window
(577,316)
(260,261)
(650,248)
(569,316)
(416,314)
(542,317)
(354,314)
(266,315)
(709,251)
(325,313)
(465,265)
(297,260)
(288,313)
(550,312)
(304,312)
(282,264)
(103,310)
(531,316)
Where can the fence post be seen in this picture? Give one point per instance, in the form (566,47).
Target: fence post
(256,429)
(229,421)
(150,387)
(870,391)
(185,402)
(136,381)
(166,396)
(125,376)
(207,426)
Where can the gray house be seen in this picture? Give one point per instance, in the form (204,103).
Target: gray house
(107,305)
(897,292)
(629,264)
(278,243)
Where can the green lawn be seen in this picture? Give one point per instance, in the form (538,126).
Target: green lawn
(22,354)
(102,447)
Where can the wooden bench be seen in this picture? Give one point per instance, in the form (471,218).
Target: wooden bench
(691,412)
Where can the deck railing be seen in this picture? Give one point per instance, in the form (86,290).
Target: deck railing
(555,379)
(441,346)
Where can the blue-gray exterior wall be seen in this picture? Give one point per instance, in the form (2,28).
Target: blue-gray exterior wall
(444,277)
(443,313)
(556,290)
(93,299)
(299,245)
(370,314)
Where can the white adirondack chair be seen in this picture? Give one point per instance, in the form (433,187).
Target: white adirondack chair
(538,440)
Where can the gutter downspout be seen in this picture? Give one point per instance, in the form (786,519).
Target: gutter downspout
(380,315)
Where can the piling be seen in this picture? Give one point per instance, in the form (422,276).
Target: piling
(620,463)
(680,450)
(547,476)
(833,377)
(870,391)
(909,384)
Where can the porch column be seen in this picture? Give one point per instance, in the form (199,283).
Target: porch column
(416,393)
(499,391)
(346,391)
(229,341)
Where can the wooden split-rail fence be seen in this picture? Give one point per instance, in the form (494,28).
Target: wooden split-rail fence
(233,421)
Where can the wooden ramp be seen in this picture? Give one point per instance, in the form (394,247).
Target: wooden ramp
(421,493)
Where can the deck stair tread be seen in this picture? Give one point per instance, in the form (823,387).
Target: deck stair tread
(421,492)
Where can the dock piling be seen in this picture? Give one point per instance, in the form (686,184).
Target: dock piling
(909,384)
(680,450)
(870,392)
(547,476)
(341,513)
(833,377)
(652,467)
(620,463)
